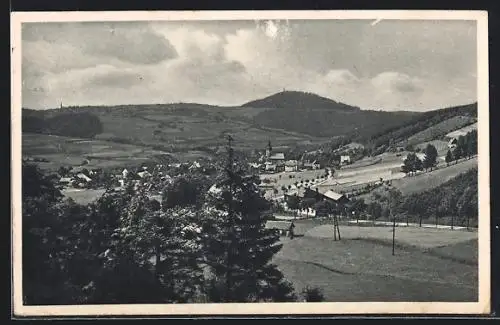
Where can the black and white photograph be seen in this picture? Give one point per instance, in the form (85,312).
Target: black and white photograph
(250,163)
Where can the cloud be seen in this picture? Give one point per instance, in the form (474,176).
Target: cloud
(130,43)
(396,82)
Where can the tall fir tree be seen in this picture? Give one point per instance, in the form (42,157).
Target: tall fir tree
(430,159)
(238,247)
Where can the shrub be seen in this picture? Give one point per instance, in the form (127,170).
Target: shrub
(312,294)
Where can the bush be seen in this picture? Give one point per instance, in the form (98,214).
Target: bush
(310,294)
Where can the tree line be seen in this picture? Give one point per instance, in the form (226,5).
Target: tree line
(416,124)
(454,202)
(200,244)
(465,147)
(71,124)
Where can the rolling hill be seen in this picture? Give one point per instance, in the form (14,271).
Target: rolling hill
(433,123)
(288,118)
(299,100)
(319,116)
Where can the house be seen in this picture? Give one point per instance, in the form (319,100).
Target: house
(291,166)
(143,174)
(270,167)
(65,181)
(195,165)
(282,227)
(312,165)
(255,166)
(336,197)
(277,158)
(125,173)
(82,176)
(452,143)
(344,160)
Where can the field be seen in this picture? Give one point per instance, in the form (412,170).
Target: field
(462,131)
(66,151)
(440,129)
(434,178)
(83,196)
(429,265)
(189,127)
(440,145)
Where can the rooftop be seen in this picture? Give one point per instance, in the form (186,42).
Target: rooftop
(333,195)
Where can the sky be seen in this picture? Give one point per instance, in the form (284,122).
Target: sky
(382,65)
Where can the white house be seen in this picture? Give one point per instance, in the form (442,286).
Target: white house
(143,174)
(345,160)
(452,143)
(84,177)
(312,165)
(336,197)
(291,166)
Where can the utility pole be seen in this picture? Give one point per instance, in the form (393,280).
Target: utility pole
(393,231)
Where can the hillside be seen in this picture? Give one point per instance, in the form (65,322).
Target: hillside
(299,100)
(289,119)
(72,124)
(421,122)
(319,116)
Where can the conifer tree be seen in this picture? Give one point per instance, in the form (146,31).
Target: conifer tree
(430,156)
(238,248)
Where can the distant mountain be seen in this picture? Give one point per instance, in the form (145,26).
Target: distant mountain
(319,116)
(298,100)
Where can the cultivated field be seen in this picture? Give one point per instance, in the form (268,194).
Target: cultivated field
(440,129)
(83,196)
(66,151)
(425,181)
(192,126)
(429,265)
(462,131)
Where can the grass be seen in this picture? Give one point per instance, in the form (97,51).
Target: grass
(195,126)
(440,129)
(84,196)
(68,151)
(419,183)
(358,268)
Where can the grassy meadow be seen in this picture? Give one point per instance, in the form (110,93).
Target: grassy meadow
(429,265)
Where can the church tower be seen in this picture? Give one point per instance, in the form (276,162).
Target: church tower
(269,149)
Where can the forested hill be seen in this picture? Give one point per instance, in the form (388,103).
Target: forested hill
(318,116)
(418,123)
(299,100)
(71,124)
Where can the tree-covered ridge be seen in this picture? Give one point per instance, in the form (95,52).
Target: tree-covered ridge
(299,100)
(71,124)
(416,124)
(457,198)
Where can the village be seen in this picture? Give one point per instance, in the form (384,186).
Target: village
(297,188)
